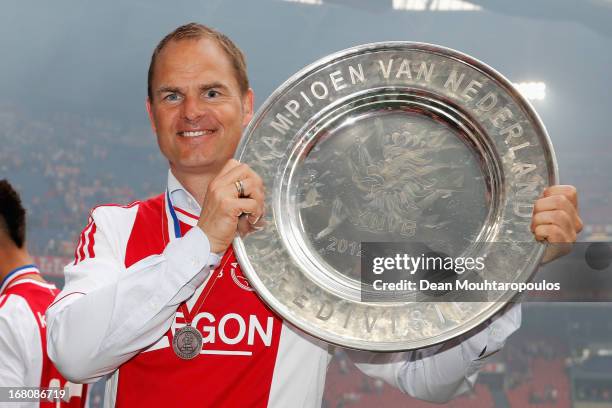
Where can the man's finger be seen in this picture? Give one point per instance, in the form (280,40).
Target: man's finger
(552,233)
(246,206)
(231,164)
(252,187)
(558,202)
(555,202)
(565,190)
(239,173)
(554,217)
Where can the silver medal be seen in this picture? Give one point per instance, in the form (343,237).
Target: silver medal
(187,342)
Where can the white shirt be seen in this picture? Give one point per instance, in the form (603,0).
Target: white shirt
(20,345)
(22,319)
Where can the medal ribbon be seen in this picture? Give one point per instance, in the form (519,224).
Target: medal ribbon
(175,233)
(196,308)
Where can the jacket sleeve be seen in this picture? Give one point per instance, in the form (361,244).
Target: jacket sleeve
(107,313)
(20,345)
(440,373)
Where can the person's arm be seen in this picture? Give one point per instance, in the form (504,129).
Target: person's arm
(20,345)
(440,373)
(107,313)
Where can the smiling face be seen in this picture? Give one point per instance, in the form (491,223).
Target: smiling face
(197,109)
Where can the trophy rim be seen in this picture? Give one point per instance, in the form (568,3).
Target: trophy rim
(494,307)
(405,45)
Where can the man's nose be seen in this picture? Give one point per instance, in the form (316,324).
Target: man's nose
(193,109)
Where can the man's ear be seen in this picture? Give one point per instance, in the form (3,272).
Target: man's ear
(150,112)
(247,106)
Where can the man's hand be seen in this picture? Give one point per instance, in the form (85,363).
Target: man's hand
(223,205)
(556,220)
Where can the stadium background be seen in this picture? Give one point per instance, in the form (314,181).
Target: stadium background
(74,134)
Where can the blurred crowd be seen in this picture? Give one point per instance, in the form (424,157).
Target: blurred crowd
(64,165)
(594,392)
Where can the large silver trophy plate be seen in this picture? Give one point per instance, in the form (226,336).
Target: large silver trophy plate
(391,142)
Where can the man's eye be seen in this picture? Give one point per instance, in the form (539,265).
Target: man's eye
(212,93)
(172,97)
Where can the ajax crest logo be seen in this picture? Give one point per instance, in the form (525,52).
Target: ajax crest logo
(240,280)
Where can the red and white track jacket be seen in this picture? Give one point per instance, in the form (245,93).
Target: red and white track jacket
(23,355)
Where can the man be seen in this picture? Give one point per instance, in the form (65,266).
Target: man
(143,276)
(24,298)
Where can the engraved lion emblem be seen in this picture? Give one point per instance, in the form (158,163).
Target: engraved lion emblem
(388,182)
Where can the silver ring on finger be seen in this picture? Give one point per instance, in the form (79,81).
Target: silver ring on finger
(239,188)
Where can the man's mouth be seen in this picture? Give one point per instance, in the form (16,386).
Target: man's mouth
(195,133)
